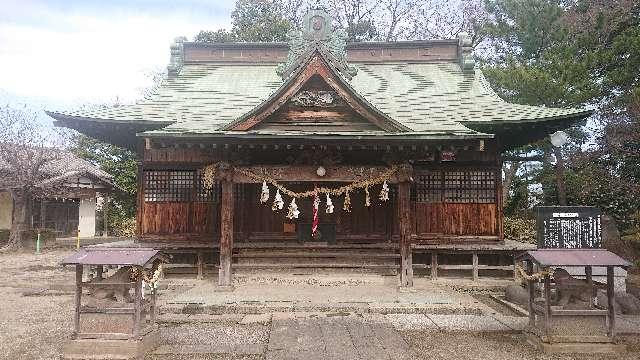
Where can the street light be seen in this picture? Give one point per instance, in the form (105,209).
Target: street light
(558,139)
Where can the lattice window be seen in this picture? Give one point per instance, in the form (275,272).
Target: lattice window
(428,187)
(455,186)
(169,185)
(469,186)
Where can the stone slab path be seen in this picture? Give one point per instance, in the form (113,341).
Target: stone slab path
(335,338)
(319,336)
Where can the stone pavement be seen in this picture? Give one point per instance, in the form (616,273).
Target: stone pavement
(281,336)
(327,294)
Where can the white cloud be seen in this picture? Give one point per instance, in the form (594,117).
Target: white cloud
(84,58)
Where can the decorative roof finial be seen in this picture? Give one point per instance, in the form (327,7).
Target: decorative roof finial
(319,35)
(177,56)
(465,52)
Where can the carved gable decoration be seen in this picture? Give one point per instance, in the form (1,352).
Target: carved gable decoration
(319,98)
(317,35)
(316,95)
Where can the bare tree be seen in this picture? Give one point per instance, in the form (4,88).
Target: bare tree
(392,20)
(30,161)
(445,19)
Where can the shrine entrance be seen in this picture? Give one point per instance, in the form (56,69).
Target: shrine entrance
(259,223)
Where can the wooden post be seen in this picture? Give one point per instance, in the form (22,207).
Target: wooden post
(43,213)
(474,256)
(588,272)
(532,295)
(434,265)
(105,213)
(225,277)
(154,295)
(404,213)
(99,271)
(499,202)
(200,266)
(138,308)
(611,303)
(78,299)
(547,306)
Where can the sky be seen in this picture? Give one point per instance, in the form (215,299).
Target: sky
(59,54)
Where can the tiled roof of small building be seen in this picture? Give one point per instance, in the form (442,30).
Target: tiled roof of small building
(428,98)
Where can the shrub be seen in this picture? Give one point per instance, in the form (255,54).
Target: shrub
(520,229)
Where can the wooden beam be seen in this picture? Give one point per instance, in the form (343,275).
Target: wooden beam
(225,277)
(340,173)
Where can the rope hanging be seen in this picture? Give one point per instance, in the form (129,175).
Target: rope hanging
(209,174)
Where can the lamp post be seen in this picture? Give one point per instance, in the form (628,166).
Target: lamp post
(558,139)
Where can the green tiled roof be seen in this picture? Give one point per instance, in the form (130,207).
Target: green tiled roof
(428,98)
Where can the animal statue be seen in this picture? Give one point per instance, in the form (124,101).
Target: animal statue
(118,291)
(570,289)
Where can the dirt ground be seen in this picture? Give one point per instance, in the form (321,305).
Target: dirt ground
(34,322)
(36,306)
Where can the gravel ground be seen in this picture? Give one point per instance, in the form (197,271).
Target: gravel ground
(36,306)
(493,346)
(36,325)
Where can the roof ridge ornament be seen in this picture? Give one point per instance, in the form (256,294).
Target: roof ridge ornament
(177,56)
(465,52)
(319,35)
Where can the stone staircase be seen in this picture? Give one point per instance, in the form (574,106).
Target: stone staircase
(309,257)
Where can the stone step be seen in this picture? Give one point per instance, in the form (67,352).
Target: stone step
(300,254)
(352,265)
(206,351)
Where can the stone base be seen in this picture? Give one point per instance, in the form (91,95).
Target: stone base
(224,288)
(110,349)
(575,347)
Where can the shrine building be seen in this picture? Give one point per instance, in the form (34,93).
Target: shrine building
(321,153)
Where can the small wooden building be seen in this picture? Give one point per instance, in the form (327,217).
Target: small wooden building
(72,188)
(416,116)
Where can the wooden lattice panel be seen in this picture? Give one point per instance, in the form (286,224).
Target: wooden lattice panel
(464,186)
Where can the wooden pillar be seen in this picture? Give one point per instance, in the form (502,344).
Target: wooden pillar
(499,203)
(588,272)
(474,256)
(434,265)
(225,277)
(611,302)
(200,265)
(153,308)
(99,272)
(404,214)
(137,313)
(532,295)
(105,219)
(547,306)
(78,299)
(43,213)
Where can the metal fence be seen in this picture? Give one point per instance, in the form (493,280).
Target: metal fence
(568,227)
